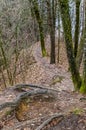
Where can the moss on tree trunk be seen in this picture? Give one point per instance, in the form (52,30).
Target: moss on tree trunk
(40,24)
(42,39)
(83,87)
(51,19)
(77,27)
(64,7)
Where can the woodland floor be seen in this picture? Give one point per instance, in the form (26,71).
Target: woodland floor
(40,108)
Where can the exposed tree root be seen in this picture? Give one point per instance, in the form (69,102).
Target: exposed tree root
(20,104)
(46,124)
(82,98)
(20,86)
(31,86)
(22,96)
(28,122)
(35,91)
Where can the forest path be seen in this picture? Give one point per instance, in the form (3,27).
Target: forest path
(53,76)
(56,76)
(43,73)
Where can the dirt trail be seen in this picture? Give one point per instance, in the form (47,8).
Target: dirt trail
(44,74)
(67,99)
(52,71)
(51,76)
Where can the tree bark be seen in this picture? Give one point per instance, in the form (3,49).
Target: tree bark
(83,88)
(58,35)
(85,50)
(40,24)
(80,50)
(64,7)
(81,45)
(51,19)
(77,27)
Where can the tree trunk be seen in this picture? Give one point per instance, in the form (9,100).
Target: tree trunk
(51,19)
(80,51)
(77,27)
(58,35)
(64,7)
(42,39)
(81,45)
(84,71)
(40,24)
(83,88)
(85,51)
